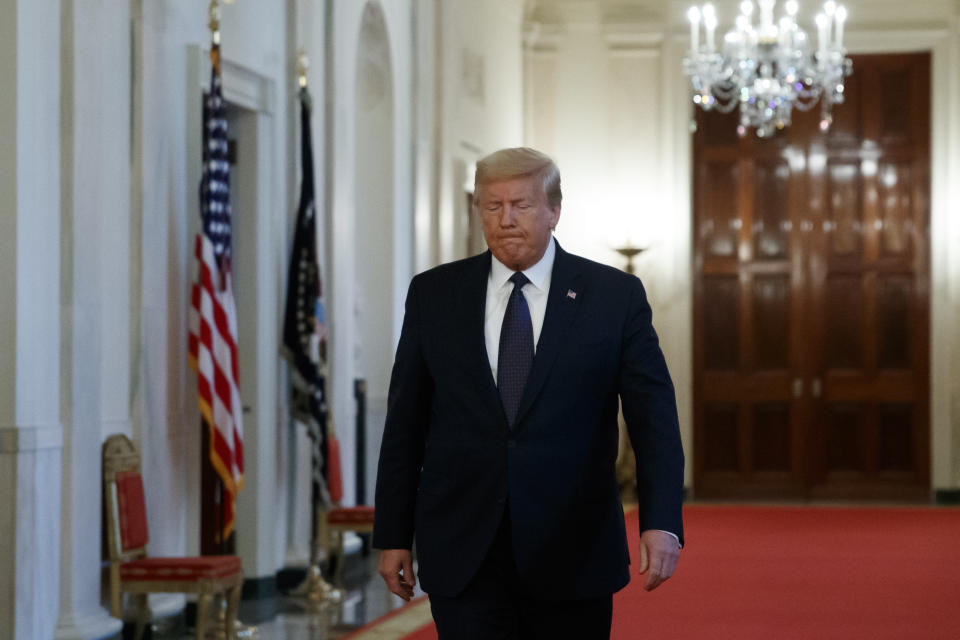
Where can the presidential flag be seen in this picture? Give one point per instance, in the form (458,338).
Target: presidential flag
(304,328)
(213,313)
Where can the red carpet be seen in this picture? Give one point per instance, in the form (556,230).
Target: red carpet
(800,573)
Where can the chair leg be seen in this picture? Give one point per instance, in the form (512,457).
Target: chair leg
(323,537)
(144,615)
(233,603)
(203,613)
(341,558)
(116,609)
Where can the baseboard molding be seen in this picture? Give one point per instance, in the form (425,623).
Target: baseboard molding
(259,599)
(290,578)
(173,626)
(259,588)
(947,496)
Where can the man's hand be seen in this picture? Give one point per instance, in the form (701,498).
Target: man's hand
(396,569)
(658,557)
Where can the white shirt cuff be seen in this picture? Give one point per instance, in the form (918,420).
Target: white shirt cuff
(675,536)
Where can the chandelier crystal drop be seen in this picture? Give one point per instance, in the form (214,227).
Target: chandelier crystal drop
(767,68)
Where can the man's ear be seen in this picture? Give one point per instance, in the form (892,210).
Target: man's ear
(554,216)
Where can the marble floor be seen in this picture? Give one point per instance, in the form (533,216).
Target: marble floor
(295,618)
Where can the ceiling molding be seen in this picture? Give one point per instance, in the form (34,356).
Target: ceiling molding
(627,38)
(539,37)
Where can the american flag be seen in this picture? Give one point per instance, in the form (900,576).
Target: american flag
(213,313)
(304,329)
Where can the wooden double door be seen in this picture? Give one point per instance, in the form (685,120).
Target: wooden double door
(811,297)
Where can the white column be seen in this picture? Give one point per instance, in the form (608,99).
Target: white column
(953,204)
(30,432)
(426,63)
(341,298)
(945,263)
(675,152)
(95,353)
(166,422)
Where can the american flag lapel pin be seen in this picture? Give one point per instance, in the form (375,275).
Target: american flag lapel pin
(571,294)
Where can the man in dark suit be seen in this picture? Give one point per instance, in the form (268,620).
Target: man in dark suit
(501,432)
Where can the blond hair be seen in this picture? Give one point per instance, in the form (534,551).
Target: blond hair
(519,162)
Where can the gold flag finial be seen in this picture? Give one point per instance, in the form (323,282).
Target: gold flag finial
(214,23)
(303,63)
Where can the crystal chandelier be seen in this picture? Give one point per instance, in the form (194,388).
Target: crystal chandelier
(767,68)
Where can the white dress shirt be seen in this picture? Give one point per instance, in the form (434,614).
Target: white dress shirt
(499,289)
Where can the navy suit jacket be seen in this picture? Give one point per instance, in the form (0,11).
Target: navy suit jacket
(450,465)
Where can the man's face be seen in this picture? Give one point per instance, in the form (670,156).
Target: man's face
(516,220)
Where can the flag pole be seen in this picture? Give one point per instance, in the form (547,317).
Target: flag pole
(220,500)
(317,591)
(214,25)
(223,494)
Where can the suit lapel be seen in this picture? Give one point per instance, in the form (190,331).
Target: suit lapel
(561,310)
(471,315)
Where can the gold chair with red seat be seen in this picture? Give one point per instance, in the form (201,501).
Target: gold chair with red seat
(131,571)
(335,522)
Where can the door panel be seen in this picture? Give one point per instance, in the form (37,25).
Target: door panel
(722,320)
(771,437)
(771,232)
(722,450)
(720,229)
(811,297)
(771,322)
